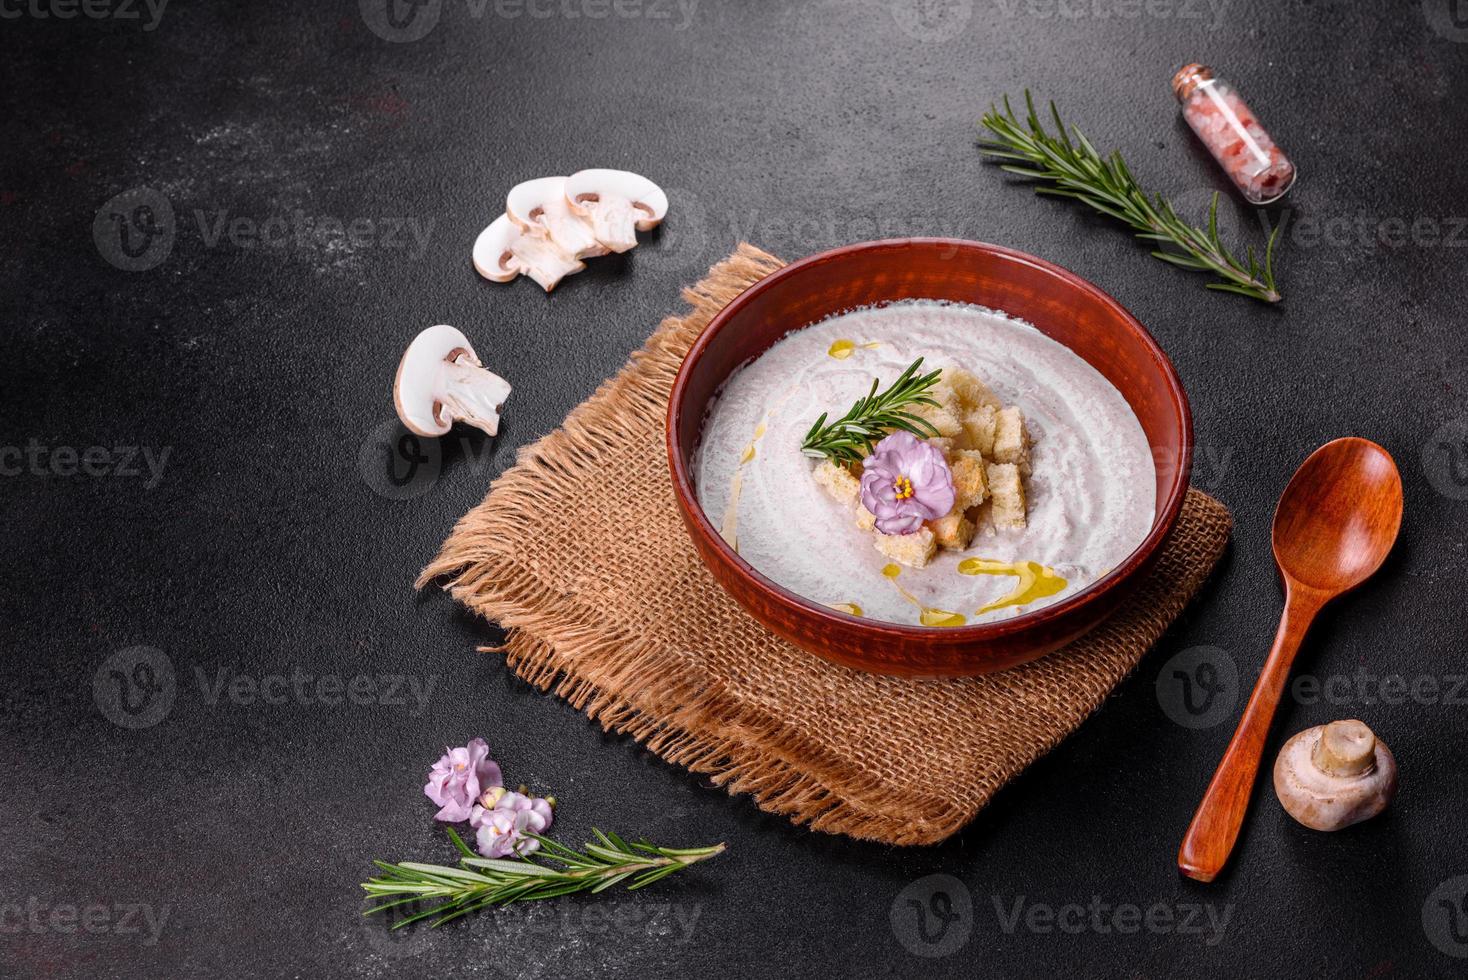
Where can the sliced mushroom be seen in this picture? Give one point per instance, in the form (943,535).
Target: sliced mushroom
(540,206)
(504,250)
(440,381)
(618,203)
(1332,776)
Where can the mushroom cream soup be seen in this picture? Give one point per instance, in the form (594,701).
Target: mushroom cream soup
(1088,493)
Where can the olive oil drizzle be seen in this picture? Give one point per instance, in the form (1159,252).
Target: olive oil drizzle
(729,526)
(928,615)
(843,348)
(1035,580)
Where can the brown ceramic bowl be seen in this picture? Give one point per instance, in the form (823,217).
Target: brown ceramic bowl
(1062,305)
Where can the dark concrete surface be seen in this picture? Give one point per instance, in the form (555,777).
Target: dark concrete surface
(215,833)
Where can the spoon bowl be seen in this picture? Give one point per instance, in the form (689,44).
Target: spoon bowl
(1340,514)
(1335,524)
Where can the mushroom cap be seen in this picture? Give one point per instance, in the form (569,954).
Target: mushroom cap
(492,258)
(648,198)
(531,196)
(415,388)
(1332,776)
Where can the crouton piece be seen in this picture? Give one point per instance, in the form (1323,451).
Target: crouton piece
(865,519)
(1006,495)
(954,532)
(970,485)
(943,392)
(1011,441)
(913,550)
(838,482)
(979,427)
(969,390)
(944,444)
(940,417)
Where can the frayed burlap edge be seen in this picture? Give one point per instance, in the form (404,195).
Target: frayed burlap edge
(627,683)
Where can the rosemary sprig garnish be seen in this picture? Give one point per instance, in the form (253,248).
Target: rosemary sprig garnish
(478,882)
(851,438)
(1073,168)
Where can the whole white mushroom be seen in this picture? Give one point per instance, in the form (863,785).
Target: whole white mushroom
(1334,775)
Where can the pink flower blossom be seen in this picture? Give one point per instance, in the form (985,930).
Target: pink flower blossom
(458,778)
(905,482)
(501,830)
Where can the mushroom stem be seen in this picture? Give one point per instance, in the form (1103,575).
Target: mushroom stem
(1346,748)
(1334,775)
(441,381)
(613,221)
(470,394)
(542,260)
(540,206)
(617,203)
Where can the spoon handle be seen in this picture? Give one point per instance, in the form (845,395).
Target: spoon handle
(1215,827)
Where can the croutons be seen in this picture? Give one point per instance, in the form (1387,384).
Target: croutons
(969,390)
(838,482)
(913,550)
(947,415)
(970,485)
(988,453)
(1011,441)
(979,427)
(1006,495)
(941,417)
(953,532)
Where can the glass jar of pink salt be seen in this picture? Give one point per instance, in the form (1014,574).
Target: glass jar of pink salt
(1228,127)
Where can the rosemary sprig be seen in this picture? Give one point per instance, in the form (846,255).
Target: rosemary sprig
(1073,168)
(478,883)
(850,439)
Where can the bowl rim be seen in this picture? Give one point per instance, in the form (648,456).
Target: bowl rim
(1162,524)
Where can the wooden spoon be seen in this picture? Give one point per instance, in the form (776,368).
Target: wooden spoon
(1333,528)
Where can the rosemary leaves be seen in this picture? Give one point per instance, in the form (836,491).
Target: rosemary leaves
(477,883)
(1067,165)
(851,438)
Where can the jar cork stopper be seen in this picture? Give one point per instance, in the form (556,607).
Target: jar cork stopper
(1188,78)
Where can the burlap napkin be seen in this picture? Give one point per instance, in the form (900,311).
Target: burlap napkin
(580,553)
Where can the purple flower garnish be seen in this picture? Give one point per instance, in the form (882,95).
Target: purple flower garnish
(458,778)
(904,482)
(502,830)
